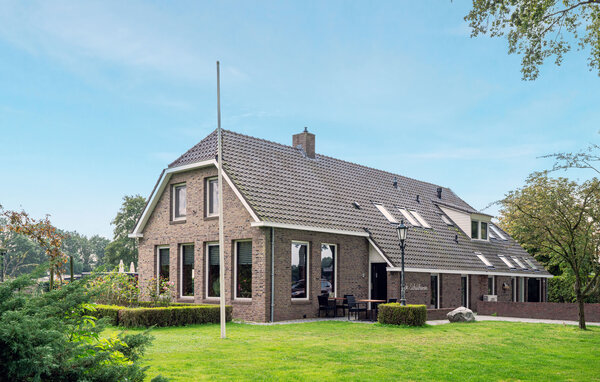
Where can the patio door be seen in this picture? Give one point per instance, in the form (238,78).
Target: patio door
(378,281)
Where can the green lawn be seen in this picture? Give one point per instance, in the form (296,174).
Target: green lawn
(350,351)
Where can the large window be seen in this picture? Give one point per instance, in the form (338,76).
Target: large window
(179,202)
(163,263)
(328,253)
(243,269)
(187,270)
(213,287)
(299,270)
(435,289)
(212,197)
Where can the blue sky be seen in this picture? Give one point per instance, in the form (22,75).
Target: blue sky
(97,97)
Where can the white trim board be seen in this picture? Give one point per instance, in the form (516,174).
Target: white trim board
(164,181)
(459,272)
(307,228)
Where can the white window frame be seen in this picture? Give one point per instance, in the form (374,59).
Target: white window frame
(180,278)
(384,211)
(484,260)
(437,289)
(493,284)
(207,255)
(174,193)
(207,196)
(487,231)
(335,268)
(307,270)
(479,230)
(235,248)
(468,294)
(507,262)
(158,248)
(408,216)
(420,219)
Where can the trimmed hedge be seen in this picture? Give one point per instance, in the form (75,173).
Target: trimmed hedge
(396,314)
(178,315)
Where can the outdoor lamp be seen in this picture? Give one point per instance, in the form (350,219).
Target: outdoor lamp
(401,229)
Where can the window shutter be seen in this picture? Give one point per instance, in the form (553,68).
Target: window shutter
(213,254)
(244,252)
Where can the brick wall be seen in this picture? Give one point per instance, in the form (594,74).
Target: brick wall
(542,310)
(352,273)
(199,230)
(450,291)
(418,288)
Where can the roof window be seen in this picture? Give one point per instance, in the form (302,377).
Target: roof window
(420,219)
(386,213)
(497,232)
(519,263)
(446,220)
(408,216)
(531,264)
(484,260)
(507,262)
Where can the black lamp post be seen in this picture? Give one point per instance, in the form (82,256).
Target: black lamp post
(401,229)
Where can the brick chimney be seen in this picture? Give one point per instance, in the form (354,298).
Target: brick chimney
(306,141)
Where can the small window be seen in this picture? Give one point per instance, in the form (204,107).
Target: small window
(530,263)
(408,216)
(519,263)
(422,221)
(484,260)
(328,269)
(484,231)
(491,285)
(446,220)
(179,202)
(187,270)
(243,269)
(212,197)
(386,213)
(474,229)
(213,287)
(507,262)
(435,301)
(299,270)
(163,263)
(497,232)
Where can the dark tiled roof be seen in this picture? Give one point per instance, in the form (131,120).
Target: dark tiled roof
(282,185)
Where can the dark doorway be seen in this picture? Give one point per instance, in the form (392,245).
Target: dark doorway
(378,281)
(533,290)
(464,291)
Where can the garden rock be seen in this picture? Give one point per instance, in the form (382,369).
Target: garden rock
(461,314)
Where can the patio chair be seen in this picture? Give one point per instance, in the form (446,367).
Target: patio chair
(354,307)
(392,300)
(326,305)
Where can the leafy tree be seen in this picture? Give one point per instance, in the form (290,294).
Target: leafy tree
(539,29)
(584,159)
(560,219)
(51,337)
(122,247)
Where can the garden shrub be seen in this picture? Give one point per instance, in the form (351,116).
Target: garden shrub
(560,289)
(111,312)
(171,315)
(396,314)
(114,288)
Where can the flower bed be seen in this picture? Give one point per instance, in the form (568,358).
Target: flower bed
(172,315)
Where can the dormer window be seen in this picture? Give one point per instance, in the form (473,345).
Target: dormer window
(484,231)
(474,229)
(479,230)
(179,201)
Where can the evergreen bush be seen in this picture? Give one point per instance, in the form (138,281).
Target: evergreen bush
(396,314)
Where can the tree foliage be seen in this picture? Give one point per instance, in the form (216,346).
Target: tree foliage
(51,337)
(122,247)
(539,29)
(560,220)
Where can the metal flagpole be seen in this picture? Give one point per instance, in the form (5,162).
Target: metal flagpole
(220,197)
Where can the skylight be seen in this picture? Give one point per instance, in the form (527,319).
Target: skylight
(531,264)
(386,213)
(408,216)
(484,260)
(420,219)
(497,232)
(507,262)
(492,236)
(519,263)
(446,220)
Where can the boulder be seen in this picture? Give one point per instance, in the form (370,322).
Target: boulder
(461,314)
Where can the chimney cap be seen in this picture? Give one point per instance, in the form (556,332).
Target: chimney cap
(305,129)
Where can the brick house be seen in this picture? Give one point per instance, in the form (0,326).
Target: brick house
(298,224)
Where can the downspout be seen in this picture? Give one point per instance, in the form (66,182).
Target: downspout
(272,271)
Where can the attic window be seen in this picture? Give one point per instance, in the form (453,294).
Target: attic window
(420,219)
(408,216)
(531,264)
(446,220)
(484,260)
(497,232)
(519,263)
(507,262)
(386,213)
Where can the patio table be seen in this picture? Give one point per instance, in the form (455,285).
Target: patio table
(374,304)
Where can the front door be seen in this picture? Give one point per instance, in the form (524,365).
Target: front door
(533,290)
(378,281)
